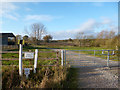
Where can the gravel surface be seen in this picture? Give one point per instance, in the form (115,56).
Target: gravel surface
(93,71)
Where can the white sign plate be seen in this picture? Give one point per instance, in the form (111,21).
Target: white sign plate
(29,55)
(26,71)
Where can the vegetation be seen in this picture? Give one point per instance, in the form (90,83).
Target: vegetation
(104,39)
(54,77)
(46,77)
(47,38)
(114,57)
(41,57)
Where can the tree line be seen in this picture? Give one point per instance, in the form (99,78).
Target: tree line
(35,34)
(104,38)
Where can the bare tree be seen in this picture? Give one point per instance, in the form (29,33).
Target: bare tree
(105,37)
(90,37)
(111,34)
(80,36)
(35,32)
(104,34)
(38,29)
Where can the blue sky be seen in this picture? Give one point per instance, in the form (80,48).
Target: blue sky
(62,19)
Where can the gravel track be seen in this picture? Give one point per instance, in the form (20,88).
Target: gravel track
(93,71)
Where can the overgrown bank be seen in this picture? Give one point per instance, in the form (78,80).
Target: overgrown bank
(46,77)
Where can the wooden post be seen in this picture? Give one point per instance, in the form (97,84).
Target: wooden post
(57,58)
(35,60)
(20,60)
(62,57)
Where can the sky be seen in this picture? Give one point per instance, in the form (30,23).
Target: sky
(63,20)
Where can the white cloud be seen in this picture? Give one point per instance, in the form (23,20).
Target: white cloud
(39,17)
(86,27)
(89,27)
(106,20)
(7,10)
(11,17)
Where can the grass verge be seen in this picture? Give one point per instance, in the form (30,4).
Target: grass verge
(46,77)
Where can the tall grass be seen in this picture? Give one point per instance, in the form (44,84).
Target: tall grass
(46,77)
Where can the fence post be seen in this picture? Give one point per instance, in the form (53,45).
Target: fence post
(35,60)
(62,57)
(20,60)
(113,52)
(94,52)
(102,52)
(108,58)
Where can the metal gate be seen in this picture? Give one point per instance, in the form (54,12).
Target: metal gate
(91,58)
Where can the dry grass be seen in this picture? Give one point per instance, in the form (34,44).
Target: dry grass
(46,77)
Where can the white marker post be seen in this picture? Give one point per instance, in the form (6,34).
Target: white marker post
(113,52)
(102,52)
(35,60)
(62,57)
(20,60)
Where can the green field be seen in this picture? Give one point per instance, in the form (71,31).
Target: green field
(41,56)
(97,53)
(46,77)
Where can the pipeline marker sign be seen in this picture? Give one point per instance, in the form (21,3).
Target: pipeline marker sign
(29,55)
(27,71)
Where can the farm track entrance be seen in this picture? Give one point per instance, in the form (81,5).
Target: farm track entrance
(88,58)
(92,71)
